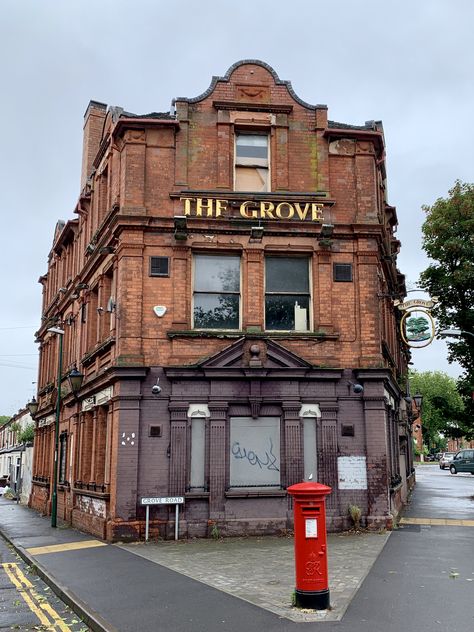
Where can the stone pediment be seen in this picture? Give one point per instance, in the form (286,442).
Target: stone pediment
(254,354)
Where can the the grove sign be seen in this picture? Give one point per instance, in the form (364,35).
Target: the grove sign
(253,209)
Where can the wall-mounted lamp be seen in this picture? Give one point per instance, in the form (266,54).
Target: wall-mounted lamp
(75,379)
(256,233)
(63,290)
(106,250)
(156,388)
(32,407)
(180,227)
(90,249)
(82,286)
(357,388)
(418,399)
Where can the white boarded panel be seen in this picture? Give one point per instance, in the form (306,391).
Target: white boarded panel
(198,433)
(254,451)
(352,472)
(309,449)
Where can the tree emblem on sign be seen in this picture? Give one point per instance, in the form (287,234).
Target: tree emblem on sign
(418,328)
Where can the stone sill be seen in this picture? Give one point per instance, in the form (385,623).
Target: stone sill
(255,493)
(222,333)
(88,492)
(41,483)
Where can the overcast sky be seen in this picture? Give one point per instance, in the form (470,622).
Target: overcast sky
(408,63)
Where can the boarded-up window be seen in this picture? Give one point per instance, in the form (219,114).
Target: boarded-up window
(309,449)
(255,452)
(251,162)
(198,436)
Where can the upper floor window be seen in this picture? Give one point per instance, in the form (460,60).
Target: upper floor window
(251,162)
(216,292)
(287,293)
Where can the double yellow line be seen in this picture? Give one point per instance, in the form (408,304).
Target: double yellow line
(45,613)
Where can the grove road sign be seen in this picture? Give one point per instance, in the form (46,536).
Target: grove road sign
(165,500)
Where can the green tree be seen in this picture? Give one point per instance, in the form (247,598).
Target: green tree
(4,419)
(448,239)
(417,328)
(442,411)
(27,434)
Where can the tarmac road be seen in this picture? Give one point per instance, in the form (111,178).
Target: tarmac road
(26,602)
(424,578)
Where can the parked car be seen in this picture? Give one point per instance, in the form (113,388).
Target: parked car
(446,459)
(463,462)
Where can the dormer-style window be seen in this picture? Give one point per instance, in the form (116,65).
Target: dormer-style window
(251,162)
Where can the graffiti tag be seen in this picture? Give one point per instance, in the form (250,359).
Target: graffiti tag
(268,460)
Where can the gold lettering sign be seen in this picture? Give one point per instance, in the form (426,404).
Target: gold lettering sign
(250,209)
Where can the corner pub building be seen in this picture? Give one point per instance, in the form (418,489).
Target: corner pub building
(226,290)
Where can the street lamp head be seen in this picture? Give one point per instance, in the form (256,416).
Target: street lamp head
(418,399)
(32,407)
(56,330)
(75,379)
(454,333)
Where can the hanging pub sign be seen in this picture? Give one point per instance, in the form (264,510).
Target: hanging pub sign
(417,325)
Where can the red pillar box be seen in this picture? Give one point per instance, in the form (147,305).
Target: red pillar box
(311,562)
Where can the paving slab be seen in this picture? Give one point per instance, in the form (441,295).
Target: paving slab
(261,570)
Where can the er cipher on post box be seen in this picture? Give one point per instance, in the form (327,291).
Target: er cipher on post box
(311,563)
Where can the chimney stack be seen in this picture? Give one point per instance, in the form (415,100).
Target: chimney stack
(93,127)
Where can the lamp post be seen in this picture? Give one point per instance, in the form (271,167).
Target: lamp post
(54,500)
(75,378)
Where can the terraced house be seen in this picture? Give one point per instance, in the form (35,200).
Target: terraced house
(226,290)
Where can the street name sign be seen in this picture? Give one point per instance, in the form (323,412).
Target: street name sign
(165,500)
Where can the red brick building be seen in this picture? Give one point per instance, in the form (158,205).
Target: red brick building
(238,254)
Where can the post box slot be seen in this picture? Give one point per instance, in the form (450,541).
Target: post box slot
(312,509)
